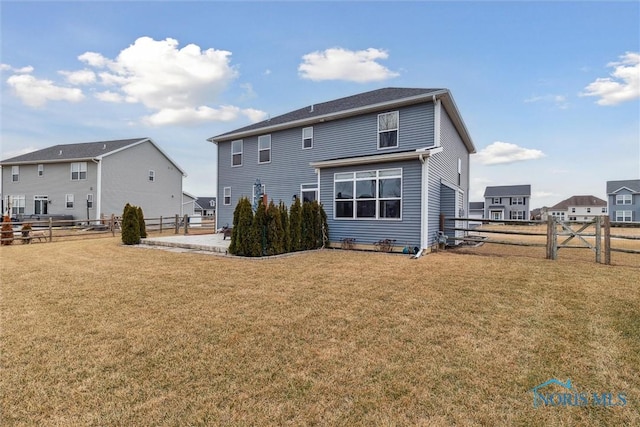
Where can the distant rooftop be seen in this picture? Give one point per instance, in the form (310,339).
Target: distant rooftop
(508,191)
(588,201)
(631,184)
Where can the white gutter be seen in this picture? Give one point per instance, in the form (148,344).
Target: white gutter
(376,158)
(424,204)
(98,188)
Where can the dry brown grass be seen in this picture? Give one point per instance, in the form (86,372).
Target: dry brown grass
(95,333)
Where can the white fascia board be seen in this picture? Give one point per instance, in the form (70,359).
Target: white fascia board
(376,158)
(624,188)
(331,116)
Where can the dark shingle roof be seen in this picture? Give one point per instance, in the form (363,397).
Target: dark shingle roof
(205,202)
(508,190)
(64,152)
(476,205)
(631,184)
(361,100)
(578,201)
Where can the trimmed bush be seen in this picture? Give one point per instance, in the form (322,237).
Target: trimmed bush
(130,225)
(26,233)
(7,231)
(295,226)
(143,227)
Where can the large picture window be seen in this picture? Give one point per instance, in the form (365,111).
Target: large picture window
(236,153)
(388,130)
(16,203)
(368,195)
(78,171)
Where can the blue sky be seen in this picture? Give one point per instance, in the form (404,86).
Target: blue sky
(549,91)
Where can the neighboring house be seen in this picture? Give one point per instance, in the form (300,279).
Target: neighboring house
(507,202)
(624,200)
(94,179)
(579,208)
(384,164)
(476,211)
(206,206)
(189,206)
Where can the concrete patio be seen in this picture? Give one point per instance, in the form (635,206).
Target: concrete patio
(202,242)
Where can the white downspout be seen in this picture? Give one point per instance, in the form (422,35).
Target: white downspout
(424,203)
(98,188)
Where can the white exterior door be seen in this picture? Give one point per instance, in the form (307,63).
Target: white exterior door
(497,215)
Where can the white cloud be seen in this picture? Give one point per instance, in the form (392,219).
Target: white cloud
(622,86)
(80,77)
(94,59)
(108,96)
(23,70)
(505,152)
(559,101)
(35,92)
(201,114)
(341,64)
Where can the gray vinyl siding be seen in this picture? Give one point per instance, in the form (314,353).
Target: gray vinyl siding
(443,166)
(405,231)
(125,179)
(289,167)
(55,184)
(634,207)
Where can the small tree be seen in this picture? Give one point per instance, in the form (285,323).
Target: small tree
(241,231)
(143,227)
(295,226)
(26,231)
(284,218)
(258,235)
(130,226)
(275,232)
(7,231)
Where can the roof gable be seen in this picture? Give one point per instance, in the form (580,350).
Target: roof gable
(586,201)
(632,185)
(375,100)
(508,190)
(66,152)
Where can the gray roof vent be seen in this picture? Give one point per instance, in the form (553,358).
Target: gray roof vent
(311,108)
(60,153)
(104,146)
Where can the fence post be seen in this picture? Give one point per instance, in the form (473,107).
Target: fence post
(607,240)
(112,225)
(177,224)
(50,229)
(552,239)
(186,224)
(598,239)
(160,224)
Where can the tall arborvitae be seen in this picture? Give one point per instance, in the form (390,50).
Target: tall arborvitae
(259,231)
(284,218)
(275,232)
(323,236)
(130,226)
(143,227)
(308,229)
(295,226)
(241,232)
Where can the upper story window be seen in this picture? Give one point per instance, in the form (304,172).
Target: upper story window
(623,199)
(588,210)
(604,210)
(152,175)
(264,149)
(236,153)
(517,200)
(495,200)
(388,130)
(40,169)
(15,173)
(78,171)
(226,199)
(459,171)
(573,210)
(307,138)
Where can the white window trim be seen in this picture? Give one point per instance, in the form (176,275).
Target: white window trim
(15,172)
(624,199)
(40,169)
(241,153)
(82,167)
(226,192)
(68,198)
(377,197)
(309,128)
(90,200)
(152,175)
(517,201)
(624,215)
(260,150)
(397,129)
(493,200)
(308,188)
(17,202)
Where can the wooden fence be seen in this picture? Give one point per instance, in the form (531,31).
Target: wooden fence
(47,230)
(552,230)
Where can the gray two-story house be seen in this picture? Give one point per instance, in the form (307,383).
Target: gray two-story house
(384,164)
(624,200)
(507,202)
(91,180)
